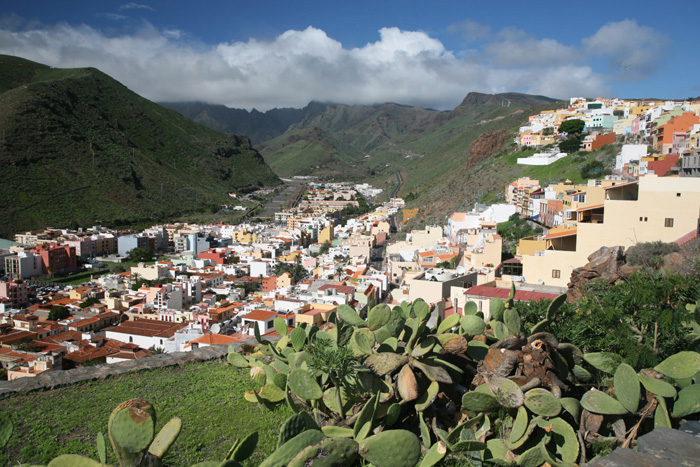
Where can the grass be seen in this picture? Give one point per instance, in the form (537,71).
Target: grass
(208,397)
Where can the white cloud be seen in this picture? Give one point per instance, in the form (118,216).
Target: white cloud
(407,67)
(515,48)
(135,6)
(633,51)
(470,30)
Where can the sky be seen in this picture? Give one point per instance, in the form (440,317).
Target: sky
(431,53)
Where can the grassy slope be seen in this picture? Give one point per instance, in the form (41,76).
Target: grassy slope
(78,147)
(208,397)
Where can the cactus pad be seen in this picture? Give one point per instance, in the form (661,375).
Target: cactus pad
(271,393)
(428,397)
(333,431)
(349,316)
(475,401)
(285,453)
(627,387)
(603,361)
(378,316)
(245,448)
(131,428)
(500,330)
(542,402)
(385,363)
(332,452)
(421,309)
(362,342)
(661,418)
(448,323)
(392,448)
(363,424)
(304,385)
(295,425)
(506,392)
(432,371)
(298,338)
(682,365)
(600,403)
(657,386)
(392,414)
(688,401)
(406,384)
(434,455)
(453,343)
(564,439)
(237,360)
(519,425)
(472,324)
(74,460)
(165,438)
(511,318)
(572,406)
(496,308)
(423,347)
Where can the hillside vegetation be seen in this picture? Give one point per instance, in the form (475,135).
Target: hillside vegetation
(204,395)
(365,141)
(78,147)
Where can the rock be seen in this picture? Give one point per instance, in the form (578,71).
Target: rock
(605,263)
(626,458)
(677,447)
(486,145)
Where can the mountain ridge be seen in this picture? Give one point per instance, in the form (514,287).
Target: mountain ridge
(79,147)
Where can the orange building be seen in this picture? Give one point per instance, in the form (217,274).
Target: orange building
(409,214)
(55,258)
(663,135)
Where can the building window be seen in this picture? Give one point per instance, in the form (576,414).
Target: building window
(668,222)
(556,273)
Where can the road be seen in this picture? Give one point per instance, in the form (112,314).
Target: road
(277,203)
(398,185)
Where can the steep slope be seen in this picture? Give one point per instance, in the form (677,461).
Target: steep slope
(354,141)
(258,126)
(78,147)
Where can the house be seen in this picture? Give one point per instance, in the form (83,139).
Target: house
(15,292)
(145,333)
(652,209)
(127,353)
(483,294)
(264,319)
(315,313)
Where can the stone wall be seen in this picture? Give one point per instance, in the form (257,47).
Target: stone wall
(59,378)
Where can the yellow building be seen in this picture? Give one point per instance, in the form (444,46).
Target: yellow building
(653,209)
(314,314)
(408,214)
(326,235)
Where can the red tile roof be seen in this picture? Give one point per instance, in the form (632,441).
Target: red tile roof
(497,292)
(564,233)
(260,315)
(148,327)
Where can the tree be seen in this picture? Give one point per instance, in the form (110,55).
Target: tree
(572,126)
(593,169)
(139,255)
(570,144)
(58,313)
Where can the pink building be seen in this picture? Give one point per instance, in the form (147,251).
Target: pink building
(15,292)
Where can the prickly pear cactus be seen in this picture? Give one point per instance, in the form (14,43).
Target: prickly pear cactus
(131,429)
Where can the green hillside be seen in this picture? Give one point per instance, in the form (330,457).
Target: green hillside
(78,147)
(357,141)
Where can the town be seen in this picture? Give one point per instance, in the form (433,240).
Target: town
(97,295)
